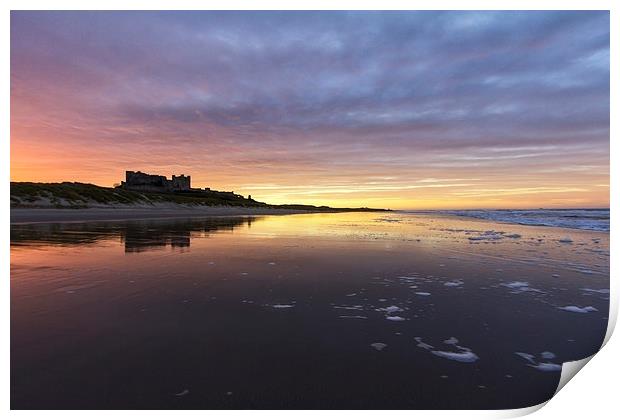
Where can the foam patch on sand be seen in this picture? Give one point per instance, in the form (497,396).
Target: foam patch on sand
(489,235)
(520,287)
(516,284)
(461,355)
(390,309)
(378,346)
(601,291)
(578,310)
(526,356)
(548,367)
(422,344)
(349,308)
(388,220)
(542,366)
(453,283)
(410,278)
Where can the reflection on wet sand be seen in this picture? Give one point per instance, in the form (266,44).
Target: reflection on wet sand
(137,236)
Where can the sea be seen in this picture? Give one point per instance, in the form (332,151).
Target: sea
(586,219)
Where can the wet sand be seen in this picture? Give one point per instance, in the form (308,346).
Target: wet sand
(350,310)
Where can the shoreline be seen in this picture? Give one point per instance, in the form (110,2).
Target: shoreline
(63,215)
(507,223)
(549,222)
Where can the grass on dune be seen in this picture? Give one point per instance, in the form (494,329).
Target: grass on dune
(80,195)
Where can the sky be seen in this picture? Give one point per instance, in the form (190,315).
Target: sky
(402,110)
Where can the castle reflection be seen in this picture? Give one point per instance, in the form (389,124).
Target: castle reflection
(136,235)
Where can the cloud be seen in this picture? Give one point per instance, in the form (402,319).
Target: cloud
(321,91)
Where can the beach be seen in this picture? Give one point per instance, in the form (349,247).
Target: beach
(345,310)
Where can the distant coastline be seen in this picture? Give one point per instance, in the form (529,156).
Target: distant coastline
(33,202)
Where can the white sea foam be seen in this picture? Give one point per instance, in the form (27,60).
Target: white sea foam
(390,309)
(601,291)
(548,367)
(489,235)
(453,283)
(422,344)
(520,287)
(542,366)
(423,293)
(378,346)
(394,318)
(349,308)
(516,284)
(579,310)
(282,306)
(462,355)
(526,356)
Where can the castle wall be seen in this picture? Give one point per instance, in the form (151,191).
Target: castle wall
(140,181)
(140,178)
(180,183)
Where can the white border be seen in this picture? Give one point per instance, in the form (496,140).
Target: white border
(593,394)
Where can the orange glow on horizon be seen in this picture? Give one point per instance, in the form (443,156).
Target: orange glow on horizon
(395,192)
